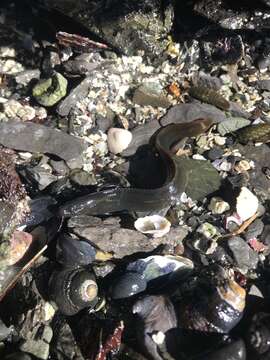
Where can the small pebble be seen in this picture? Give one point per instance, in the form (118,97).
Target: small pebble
(218,205)
(254,230)
(245,258)
(118,140)
(214,153)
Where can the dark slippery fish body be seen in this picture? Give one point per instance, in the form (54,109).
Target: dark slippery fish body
(254,133)
(209,96)
(145,200)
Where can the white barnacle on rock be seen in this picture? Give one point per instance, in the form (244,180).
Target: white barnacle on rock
(155,225)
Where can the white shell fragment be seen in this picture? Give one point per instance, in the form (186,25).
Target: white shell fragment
(246,204)
(118,140)
(155,224)
(218,205)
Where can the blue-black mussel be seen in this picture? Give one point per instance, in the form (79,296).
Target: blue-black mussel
(214,304)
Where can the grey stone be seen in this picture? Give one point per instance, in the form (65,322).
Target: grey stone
(64,345)
(245,258)
(4,331)
(257,179)
(177,114)
(265,236)
(214,153)
(254,230)
(254,291)
(59,167)
(38,348)
(237,111)
(76,94)
(40,175)
(47,334)
(37,138)
(264,84)
(231,125)
(82,177)
(148,95)
(24,77)
(17,356)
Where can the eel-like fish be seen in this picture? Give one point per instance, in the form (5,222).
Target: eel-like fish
(118,199)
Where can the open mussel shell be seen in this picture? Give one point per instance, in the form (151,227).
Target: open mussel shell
(258,336)
(73,290)
(149,271)
(216,305)
(71,251)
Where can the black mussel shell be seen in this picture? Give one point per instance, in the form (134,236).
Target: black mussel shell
(127,285)
(233,351)
(73,290)
(71,251)
(215,305)
(258,337)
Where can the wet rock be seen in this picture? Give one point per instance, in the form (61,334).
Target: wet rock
(121,242)
(76,94)
(202,178)
(231,125)
(40,139)
(237,111)
(265,237)
(254,230)
(245,258)
(214,153)
(38,348)
(233,351)
(264,84)
(178,114)
(59,167)
(150,94)
(18,356)
(257,178)
(64,345)
(24,77)
(80,65)
(4,331)
(38,176)
(48,92)
(82,178)
(127,25)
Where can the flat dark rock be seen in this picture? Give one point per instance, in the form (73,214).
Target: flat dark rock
(177,114)
(37,138)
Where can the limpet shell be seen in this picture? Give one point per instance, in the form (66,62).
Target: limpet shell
(155,225)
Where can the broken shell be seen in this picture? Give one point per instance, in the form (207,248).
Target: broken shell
(246,204)
(218,206)
(118,140)
(73,290)
(156,266)
(155,224)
